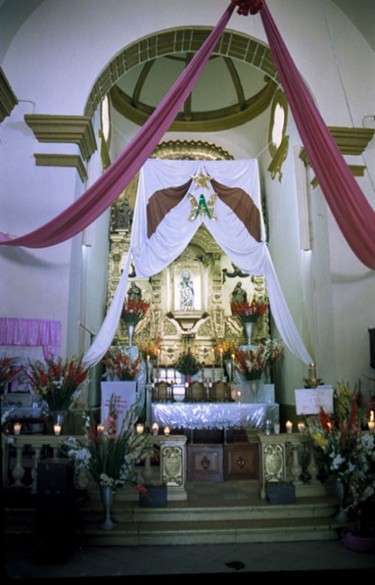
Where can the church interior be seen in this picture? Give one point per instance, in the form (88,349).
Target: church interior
(187,218)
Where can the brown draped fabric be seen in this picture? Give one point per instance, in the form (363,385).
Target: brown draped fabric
(242,205)
(161,202)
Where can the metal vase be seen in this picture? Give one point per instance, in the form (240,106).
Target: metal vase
(107,495)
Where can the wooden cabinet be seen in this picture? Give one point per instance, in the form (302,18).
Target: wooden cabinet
(241,461)
(205,462)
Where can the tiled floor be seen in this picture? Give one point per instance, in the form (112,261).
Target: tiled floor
(307,560)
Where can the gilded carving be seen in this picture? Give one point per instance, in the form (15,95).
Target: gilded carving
(273,463)
(172,471)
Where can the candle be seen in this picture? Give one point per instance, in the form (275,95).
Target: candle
(140,428)
(148,370)
(213,365)
(301,427)
(100,429)
(57,429)
(17,428)
(371,422)
(158,363)
(155,428)
(167,431)
(232,367)
(312,372)
(276,428)
(289,426)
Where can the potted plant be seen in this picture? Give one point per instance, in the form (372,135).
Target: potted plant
(188,365)
(348,449)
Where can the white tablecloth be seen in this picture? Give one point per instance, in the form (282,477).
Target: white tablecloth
(221,415)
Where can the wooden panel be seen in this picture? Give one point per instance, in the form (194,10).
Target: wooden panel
(205,462)
(241,461)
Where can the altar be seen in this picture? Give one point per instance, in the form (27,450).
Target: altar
(223,415)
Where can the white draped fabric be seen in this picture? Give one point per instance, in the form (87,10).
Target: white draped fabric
(172,235)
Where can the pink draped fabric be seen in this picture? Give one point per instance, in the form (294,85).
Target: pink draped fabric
(45,333)
(353,214)
(118,175)
(351,210)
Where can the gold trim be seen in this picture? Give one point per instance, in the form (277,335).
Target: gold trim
(64,129)
(279,159)
(8,98)
(191,150)
(62,160)
(349,140)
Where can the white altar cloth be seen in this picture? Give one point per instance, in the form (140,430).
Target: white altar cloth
(223,415)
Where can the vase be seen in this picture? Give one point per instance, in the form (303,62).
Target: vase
(131,328)
(340,488)
(249,330)
(107,495)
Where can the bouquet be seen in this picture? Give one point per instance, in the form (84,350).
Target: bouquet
(250,311)
(349,452)
(119,365)
(109,459)
(133,310)
(58,383)
(252,363)
(8,369)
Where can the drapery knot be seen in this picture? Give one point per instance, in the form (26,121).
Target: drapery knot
(248,6)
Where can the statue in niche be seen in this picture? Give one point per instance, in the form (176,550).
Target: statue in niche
(134,293)
(239,295)
(123,215)
(186,291)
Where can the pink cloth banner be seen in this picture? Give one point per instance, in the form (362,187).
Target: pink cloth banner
(45,333)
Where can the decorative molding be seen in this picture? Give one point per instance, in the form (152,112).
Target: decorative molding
(7,98)
(64,129)
(279,158)
(357,171)
(352,141)
(62,160)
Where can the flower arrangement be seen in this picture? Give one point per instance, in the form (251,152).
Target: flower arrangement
(57,382)
(349,452)
(251,363)
(8,369)
(133,310)
(250,311)
(188,364)
(119,365)
(109,459)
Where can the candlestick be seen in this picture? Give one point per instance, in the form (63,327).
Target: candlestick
(158,364)
(289,426)
(148,369)
(57,429)
(17,428)
(232,367)
(213,365)
(371,422)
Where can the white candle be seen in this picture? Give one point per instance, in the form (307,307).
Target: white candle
(140,428)
(17,428)
(289,426)
(100,429)
(57,429)
(301,427)
(276,428)
(155,428)
(167,431)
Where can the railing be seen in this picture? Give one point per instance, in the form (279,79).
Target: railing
(282,458)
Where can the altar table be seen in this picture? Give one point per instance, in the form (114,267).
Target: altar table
(223,415)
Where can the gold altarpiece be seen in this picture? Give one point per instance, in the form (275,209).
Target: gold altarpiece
(208,320)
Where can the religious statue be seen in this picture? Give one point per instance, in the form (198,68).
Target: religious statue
(186,291)
(239,295)
(134,293)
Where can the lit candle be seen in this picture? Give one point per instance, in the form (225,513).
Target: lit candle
(371,422)
(17,428)
(232,367)
(155,428)
(100,429)
(167,431)
(57,429)
(148,369)
(301,427)
(312,372)
(289,426)
(140,428)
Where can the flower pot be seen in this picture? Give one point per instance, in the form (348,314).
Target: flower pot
(357,542)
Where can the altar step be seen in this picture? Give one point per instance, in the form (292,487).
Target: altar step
(208,519)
